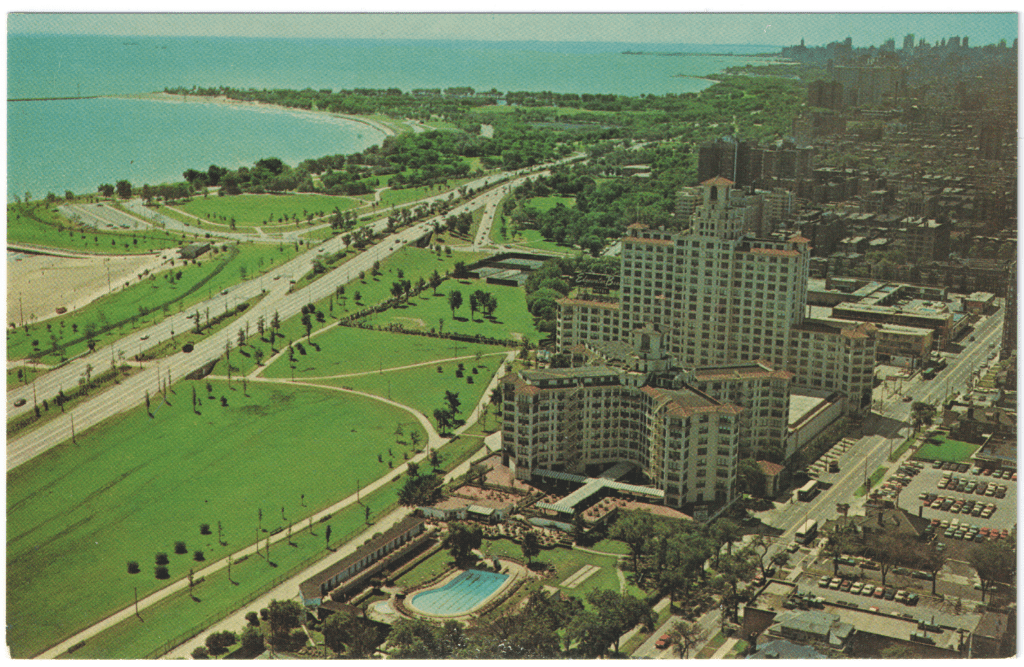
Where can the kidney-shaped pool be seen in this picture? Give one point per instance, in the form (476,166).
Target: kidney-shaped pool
(458,596)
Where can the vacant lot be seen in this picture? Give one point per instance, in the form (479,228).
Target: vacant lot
(133,486)
(945,450)
(37,224)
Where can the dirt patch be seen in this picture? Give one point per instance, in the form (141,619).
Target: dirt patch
(44,283)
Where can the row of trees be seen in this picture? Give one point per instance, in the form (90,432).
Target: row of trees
(544,627)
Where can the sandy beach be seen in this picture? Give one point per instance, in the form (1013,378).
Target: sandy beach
(44,283)
(387,130)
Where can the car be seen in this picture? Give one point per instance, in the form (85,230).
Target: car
(980,538)
(1000,493)
(937,465)
(845,586)
(945,524)
(278,277)
(664,641)
(1005,532)
(1013,477)
(793,547)
(834,584)
(146,337)
(912,598)
(990,491)
(901,596)
(879,592)
(986,513)
(955,509)
(971,486)
(890,593)
(867,589)
(950,532)
(856,588)
(1007,474)
(964,467)
(824,581)
(987,472)
(976,470)
(224,293)
(18,402)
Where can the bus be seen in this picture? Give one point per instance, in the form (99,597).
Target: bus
(806,492)
(807,532)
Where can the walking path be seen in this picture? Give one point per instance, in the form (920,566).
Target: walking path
(433,441)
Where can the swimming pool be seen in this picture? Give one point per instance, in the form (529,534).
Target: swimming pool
(459,595)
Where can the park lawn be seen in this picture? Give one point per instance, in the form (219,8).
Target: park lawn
(255,210)
(133,485)
(395,197)
(414,264)
(427,570)
(423,388)
(178,617)
(511,319)
(147,302)
(40,225)
(543,204)
(611,546)
(947,450)
(566,563)
(532,238)
(173,345)
(353,350)
(497,234)
(467,240)
(873,481)
(320,234)
(191,221)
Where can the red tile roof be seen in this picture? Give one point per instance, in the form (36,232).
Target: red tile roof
(770,469)
(718,180)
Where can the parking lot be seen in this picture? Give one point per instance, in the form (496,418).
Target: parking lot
(970,489)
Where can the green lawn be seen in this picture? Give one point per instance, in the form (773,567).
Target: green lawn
(946,450)
(39,225)
(427,570)
(566,563)
(873,481)
(425,312)
(173,619)
(413,262)
(423,388)
(135,484)
(144,303)
(179,616)
(249,210)
(27,375)
(542,204)
(611,546)
(531,238)
(352,350)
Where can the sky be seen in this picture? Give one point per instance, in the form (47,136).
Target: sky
(695,28)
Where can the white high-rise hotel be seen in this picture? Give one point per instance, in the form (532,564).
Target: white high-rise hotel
(723,296)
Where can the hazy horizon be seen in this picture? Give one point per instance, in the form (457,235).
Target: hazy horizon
(767,29)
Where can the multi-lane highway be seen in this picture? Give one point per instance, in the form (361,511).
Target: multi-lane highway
(132,391)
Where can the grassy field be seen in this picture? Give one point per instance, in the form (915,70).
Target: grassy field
(41,226)
(566,563)
(426,570)
(25,378)
(135,484)
(413,262)
(531,238)
(249,210)
(611,546)
(542,204)
(180,616)
(873,481)
(946,450)
(425,312)
(351,350)
(143,303)
(459,241)
(423,388)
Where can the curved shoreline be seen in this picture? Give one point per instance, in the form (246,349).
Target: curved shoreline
(383,128)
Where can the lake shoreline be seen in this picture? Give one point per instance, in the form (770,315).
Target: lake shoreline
(383,128)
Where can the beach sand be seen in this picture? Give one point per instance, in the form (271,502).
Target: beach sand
(44,282)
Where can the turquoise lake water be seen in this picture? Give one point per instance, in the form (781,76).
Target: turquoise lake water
(78,144)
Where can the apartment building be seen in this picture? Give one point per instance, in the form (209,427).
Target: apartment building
(724,297)
(643,412)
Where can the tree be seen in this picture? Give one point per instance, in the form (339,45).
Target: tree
(921,414)
(420,639)
(887,550)
(443,419)
(435,281)
(530,546)
(618,613)
(684,636)
(454,301)
(253,619)
(725,531)
(993,562)
(420,490)
(930,559)
(354,633)
(283,615)
(252,641)
(635,529)
(200,653)
(218,642)
(461,541)
(452,398)
(124,189)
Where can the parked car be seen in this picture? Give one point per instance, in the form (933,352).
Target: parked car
(867,589)
(856,588)
(664,641)
(824,581)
